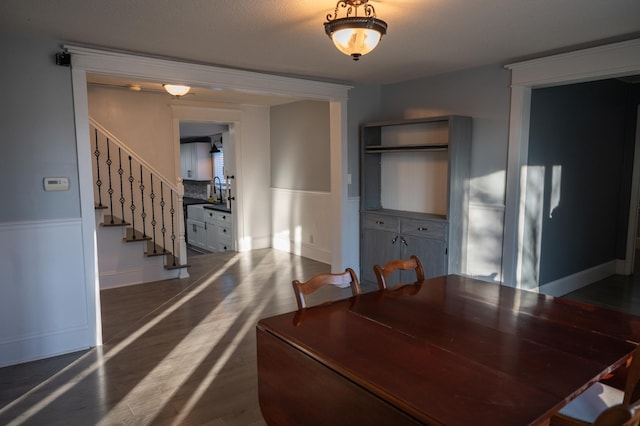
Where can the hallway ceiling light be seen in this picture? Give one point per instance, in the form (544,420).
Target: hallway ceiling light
(355,35)
(176,90)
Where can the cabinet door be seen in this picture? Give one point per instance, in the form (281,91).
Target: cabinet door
(211,240)
(379,247)
(195,161)
(202,162)
(431,252)
(186,163)
(196,234)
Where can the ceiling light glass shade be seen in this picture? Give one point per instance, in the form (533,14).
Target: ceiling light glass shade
(355,36)
(176,90)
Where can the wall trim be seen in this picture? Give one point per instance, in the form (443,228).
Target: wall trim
(172,71)
(608,61)
(580,279)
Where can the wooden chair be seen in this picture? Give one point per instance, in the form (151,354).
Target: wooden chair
(619,415)
(302,289)
(604,405)
(383,272)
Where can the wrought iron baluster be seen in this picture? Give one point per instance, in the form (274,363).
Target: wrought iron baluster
(121,173)
(109,163)
(96,153)
(144,214)
(132,207)
(153,216)
(173,231)
(163,230)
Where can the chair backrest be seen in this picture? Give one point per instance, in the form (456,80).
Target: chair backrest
(632,385)
(302,289)
(383,272)
(619,415)
(627,413)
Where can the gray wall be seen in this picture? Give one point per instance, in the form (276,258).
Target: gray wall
(300,146)
(585,131)
(38,134)
(364,107)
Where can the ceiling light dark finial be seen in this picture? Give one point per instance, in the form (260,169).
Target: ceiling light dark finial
(355,35)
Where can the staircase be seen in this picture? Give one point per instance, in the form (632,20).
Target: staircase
(138,216)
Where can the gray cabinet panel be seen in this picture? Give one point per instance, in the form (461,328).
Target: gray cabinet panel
(379,247)
(432,254)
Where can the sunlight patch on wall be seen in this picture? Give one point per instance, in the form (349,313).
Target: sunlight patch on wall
(556,178)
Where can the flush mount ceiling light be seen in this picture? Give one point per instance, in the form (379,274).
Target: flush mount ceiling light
(176,90)
(355,35)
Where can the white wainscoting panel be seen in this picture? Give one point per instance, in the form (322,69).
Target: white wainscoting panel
(484,241)
(301,223)
(352,256)
(43,303)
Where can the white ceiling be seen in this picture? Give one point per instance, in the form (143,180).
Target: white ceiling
(425,37)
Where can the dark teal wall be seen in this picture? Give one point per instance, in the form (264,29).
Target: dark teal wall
(587,132)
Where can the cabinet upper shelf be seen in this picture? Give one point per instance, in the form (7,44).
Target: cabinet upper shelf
(376,149)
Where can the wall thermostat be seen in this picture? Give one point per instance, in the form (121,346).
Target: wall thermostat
(56,184)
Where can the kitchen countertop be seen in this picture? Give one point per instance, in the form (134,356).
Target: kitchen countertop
(187,201)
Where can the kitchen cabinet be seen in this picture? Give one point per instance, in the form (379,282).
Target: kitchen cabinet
(195,161)
(197,234)
(219,230)
(414,194)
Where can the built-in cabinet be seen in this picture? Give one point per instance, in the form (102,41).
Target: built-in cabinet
(414,193)
(195,161)
(218,227)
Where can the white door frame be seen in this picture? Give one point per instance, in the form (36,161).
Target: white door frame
(632,224)
(86,60)
(613,60)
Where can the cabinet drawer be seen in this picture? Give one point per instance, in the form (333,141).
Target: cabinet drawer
(424,228)
(214,216)
(224,217)
(382,222)
(209,216)
(224,231)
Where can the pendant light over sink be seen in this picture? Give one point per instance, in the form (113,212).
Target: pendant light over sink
(355,35)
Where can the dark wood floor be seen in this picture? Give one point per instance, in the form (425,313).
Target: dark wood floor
(182,352)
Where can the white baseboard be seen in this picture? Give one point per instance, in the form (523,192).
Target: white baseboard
(150,271)
(580,279)
(302,249)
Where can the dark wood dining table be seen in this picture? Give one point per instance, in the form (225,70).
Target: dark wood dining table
(449,350)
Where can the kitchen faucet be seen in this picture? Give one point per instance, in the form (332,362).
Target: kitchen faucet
(219,186)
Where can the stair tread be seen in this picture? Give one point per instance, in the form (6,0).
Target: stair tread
(133,236)
(171,259)
(149,252)
(113,221)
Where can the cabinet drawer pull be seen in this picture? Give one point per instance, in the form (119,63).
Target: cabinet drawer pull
(420,228)
(379,222)
(224,230)
(224,217)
